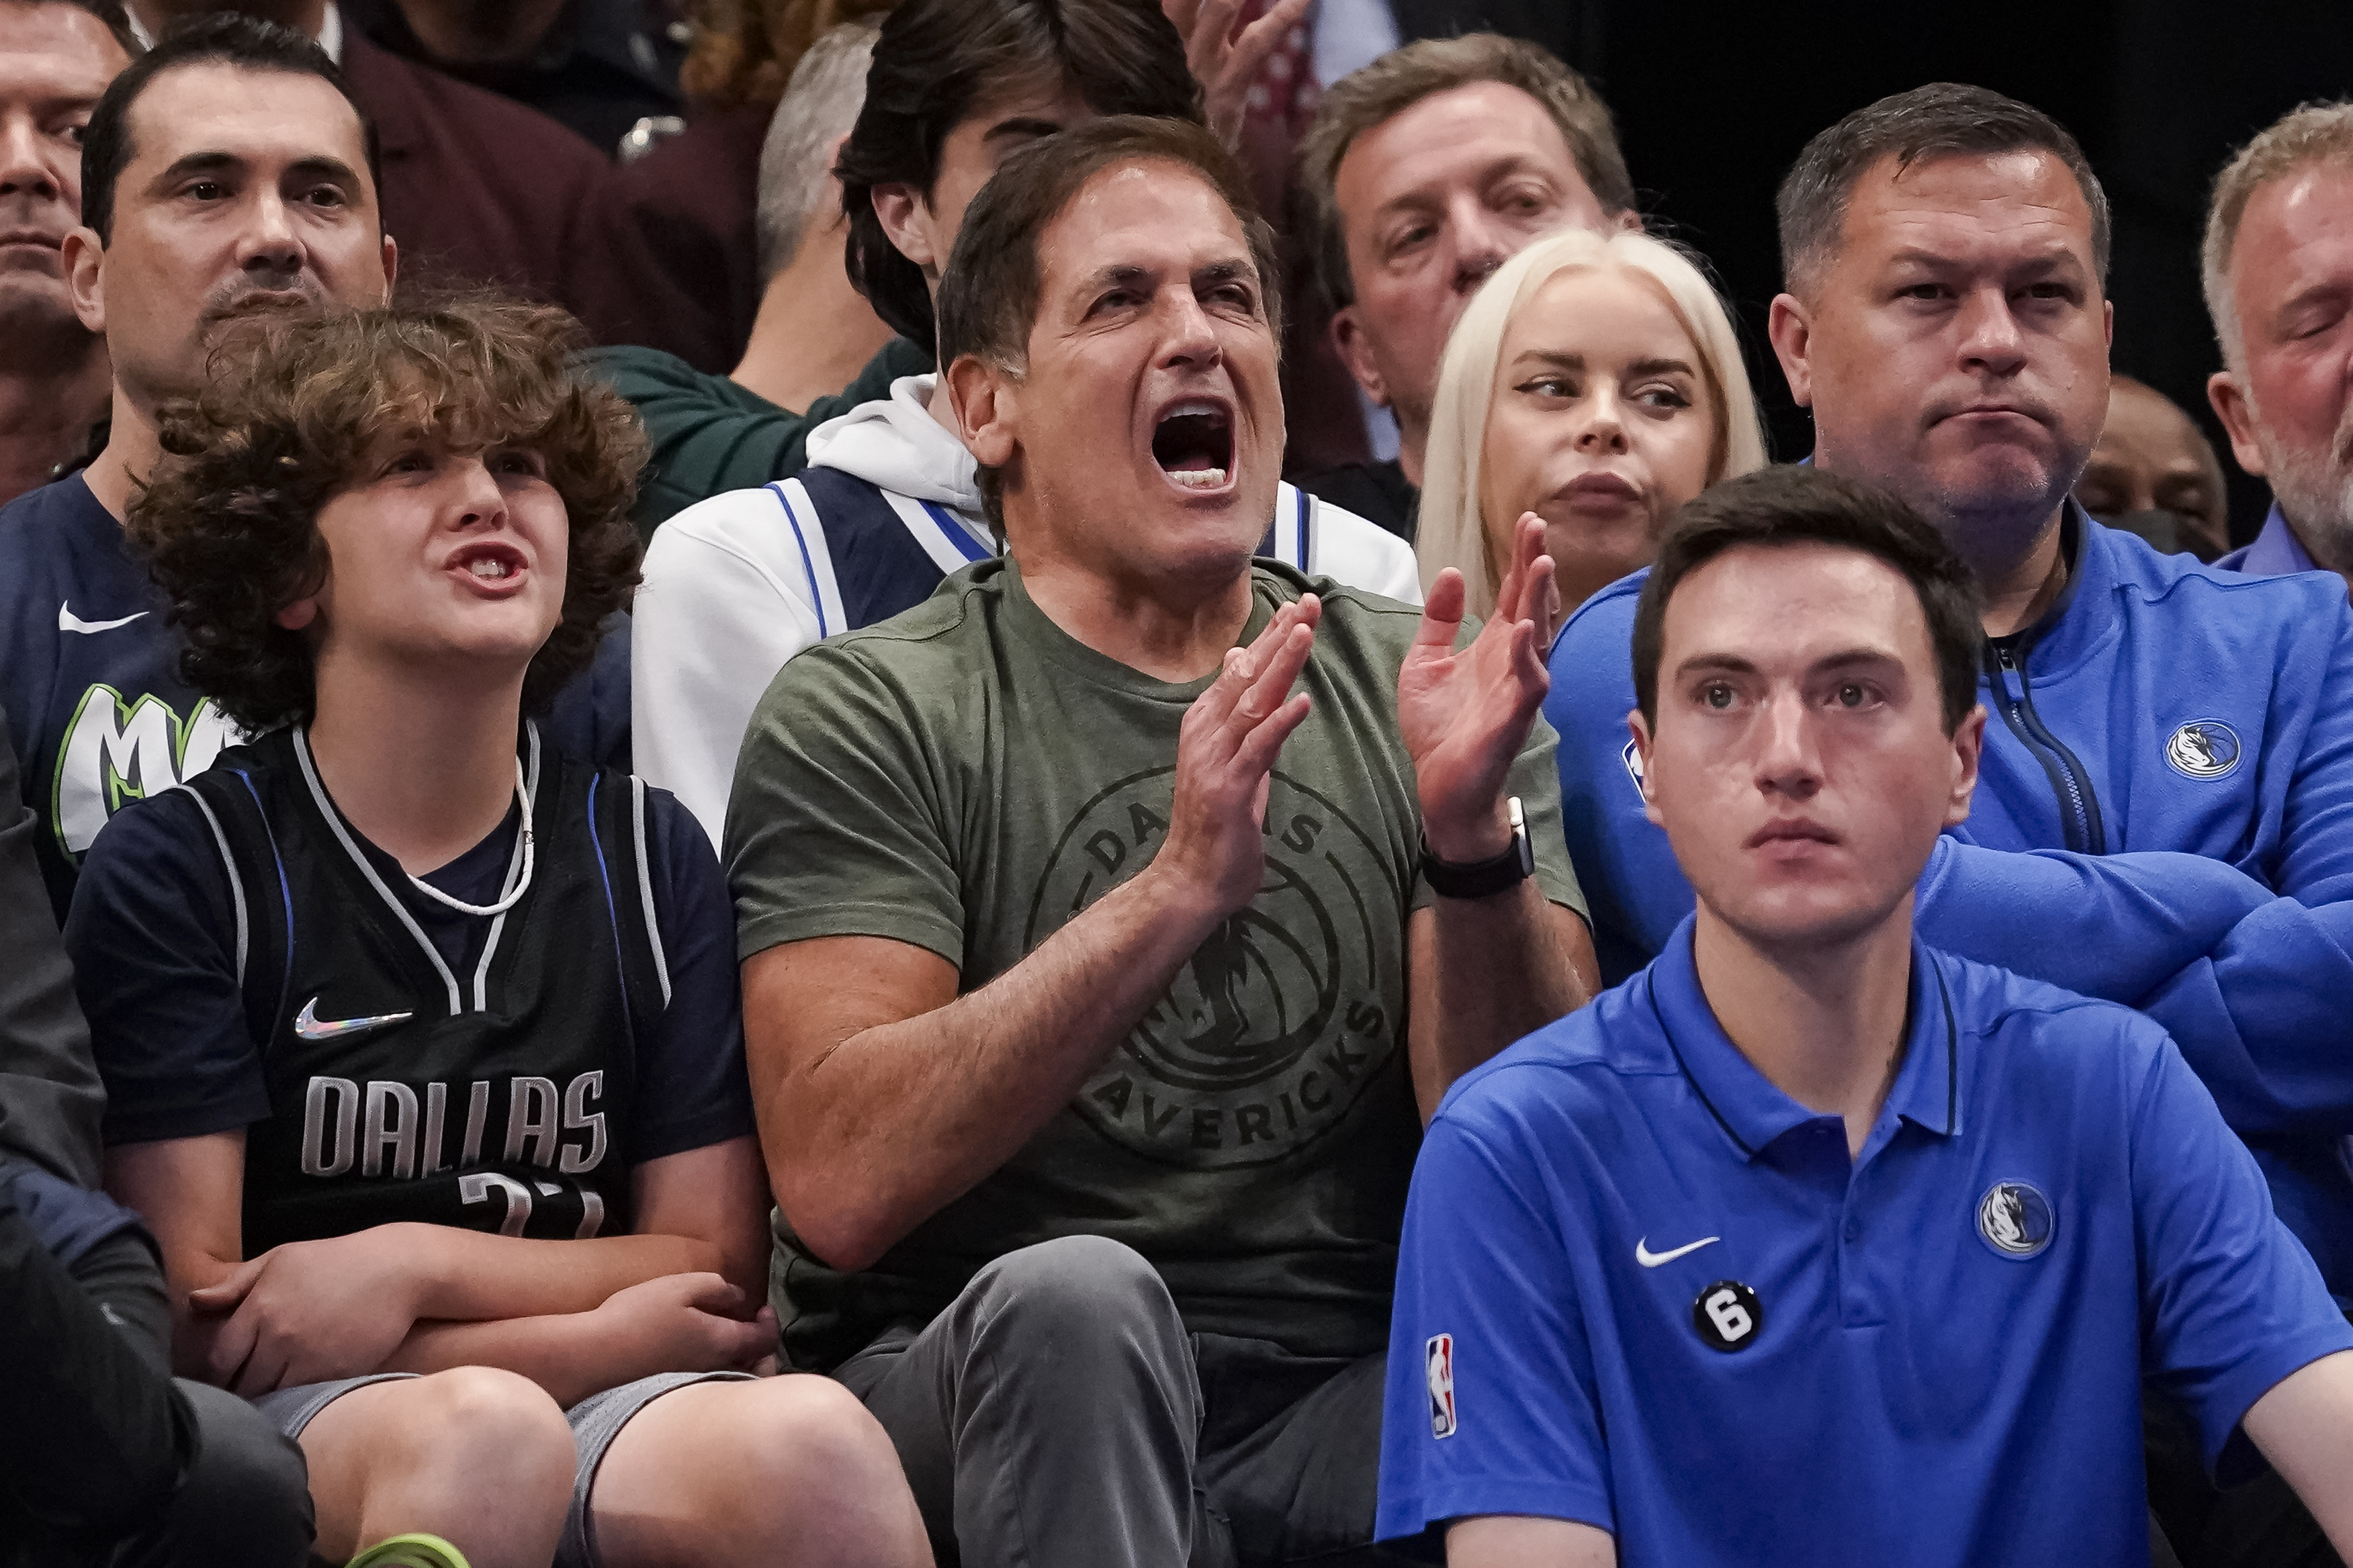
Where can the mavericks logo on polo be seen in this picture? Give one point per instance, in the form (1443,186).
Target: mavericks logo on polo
(2014,1219)
(1276,1024)
(2203,748)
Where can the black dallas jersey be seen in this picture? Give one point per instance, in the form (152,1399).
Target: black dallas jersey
(494,1095)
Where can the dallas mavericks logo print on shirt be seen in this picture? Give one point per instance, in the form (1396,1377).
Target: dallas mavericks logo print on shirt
(1259,1044)
(2203,748)
(2014,1219)
(115,752)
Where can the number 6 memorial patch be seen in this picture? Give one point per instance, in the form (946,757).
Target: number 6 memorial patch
(1440,1366)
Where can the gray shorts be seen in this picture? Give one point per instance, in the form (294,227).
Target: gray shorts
(596,1421)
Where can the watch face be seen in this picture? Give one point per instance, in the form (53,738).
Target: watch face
(1728,1316)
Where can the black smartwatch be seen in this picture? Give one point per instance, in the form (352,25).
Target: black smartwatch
(1483,878)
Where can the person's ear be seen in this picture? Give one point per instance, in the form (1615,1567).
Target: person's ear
(1645,767)
(84,260)
(1629,222)
(988,403)
(2238,416)
(1791,329)
(907,223)
(1969,744)
(391,266)
(1355,352)
(299,615)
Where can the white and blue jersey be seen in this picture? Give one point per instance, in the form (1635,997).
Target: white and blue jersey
(1643,1289)
(889,507)
(2163,818)
(90,676)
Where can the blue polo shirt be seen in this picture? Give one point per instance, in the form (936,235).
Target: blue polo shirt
(1930,1354)
(2164,818)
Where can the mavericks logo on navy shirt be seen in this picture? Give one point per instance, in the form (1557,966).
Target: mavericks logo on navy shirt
(114,751)
(1274,1027)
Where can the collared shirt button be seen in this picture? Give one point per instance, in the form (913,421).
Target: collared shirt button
(1854,1230)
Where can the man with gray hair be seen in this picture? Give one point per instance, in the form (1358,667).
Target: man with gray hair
(817,349)
(814,331)
(1423,173)
(2278,271)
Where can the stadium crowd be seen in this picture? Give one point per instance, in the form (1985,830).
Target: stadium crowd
(1070,790)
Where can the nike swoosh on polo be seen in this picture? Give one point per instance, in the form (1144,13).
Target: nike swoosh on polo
(69,622)
(1650,1259)
(311,1026)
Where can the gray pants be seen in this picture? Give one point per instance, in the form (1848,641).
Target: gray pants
(1058,1414)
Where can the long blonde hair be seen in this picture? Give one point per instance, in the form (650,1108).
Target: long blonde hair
(1453,531)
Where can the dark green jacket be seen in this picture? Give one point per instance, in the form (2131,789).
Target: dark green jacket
(711,436)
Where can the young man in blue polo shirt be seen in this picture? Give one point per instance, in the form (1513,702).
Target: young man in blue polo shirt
(1809,1243)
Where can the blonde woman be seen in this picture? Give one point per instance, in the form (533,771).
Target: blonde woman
(1596,383)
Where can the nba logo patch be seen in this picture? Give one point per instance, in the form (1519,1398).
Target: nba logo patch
(1440,1364)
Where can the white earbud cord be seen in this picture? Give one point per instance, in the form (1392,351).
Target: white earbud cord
(523,881)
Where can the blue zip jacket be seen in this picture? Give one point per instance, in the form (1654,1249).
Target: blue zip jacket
(2163,818)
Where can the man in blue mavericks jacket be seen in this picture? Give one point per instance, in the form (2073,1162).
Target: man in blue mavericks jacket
(2165,816)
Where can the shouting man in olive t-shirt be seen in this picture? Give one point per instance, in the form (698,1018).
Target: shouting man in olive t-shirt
(1108,918)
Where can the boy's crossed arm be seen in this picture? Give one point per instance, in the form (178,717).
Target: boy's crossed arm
(574,1316)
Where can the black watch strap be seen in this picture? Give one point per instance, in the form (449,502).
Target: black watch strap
(1483,878)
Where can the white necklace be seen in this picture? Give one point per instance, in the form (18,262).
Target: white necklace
(522,881)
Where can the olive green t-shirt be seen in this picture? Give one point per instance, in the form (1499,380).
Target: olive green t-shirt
(967,777)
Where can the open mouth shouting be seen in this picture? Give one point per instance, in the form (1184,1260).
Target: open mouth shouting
(489,568)
(1193,442)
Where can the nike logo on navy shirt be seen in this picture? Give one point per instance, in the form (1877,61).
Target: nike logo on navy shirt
(69,622)
(311,1026)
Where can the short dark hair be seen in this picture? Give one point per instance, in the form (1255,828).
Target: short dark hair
(110,14)
(935,62)
(228,524)
(990,292)
(222,37)
(1806,505)
(1942,119)
(1379,92)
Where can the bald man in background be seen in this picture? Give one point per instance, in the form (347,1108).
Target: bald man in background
(2155,474)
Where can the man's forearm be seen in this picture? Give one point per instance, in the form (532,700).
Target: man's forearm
(2256,989)
(903,1117)
(1499,973)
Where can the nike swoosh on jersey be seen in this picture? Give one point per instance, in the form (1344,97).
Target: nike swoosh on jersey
(1650,1259)
(69,622)
(311,1026)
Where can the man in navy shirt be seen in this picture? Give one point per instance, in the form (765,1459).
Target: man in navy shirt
(1811,1242)
(2167,813)
(2278,270)
(228,176)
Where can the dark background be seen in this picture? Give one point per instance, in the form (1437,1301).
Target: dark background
(1713,102)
